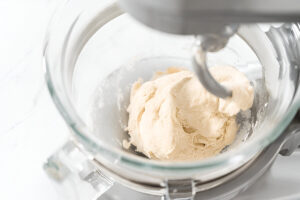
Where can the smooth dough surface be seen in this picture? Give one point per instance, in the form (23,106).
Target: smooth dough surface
(172,117)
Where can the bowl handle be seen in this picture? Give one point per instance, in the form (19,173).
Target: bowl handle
(81,179)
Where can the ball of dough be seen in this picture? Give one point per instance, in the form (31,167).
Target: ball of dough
(173,117)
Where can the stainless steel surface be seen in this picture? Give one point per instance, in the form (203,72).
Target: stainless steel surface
(208,16)
(216,41)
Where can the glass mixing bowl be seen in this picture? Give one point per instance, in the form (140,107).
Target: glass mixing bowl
(94,52)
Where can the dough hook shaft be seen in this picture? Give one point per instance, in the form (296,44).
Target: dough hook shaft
(204,76)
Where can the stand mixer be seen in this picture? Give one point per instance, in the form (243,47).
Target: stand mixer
(213,22)
(94,160)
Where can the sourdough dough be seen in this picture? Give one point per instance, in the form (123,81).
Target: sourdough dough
(172,117)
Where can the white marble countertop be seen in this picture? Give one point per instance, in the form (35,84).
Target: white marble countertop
(31,127)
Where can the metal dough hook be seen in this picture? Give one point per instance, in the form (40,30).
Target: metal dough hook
(210,43)
(205,77)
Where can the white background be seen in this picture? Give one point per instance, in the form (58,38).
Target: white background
(30,127)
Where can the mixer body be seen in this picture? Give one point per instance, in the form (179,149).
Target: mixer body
(195,17)
(213,22)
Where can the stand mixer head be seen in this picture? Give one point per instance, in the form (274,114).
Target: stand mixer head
(213,22)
